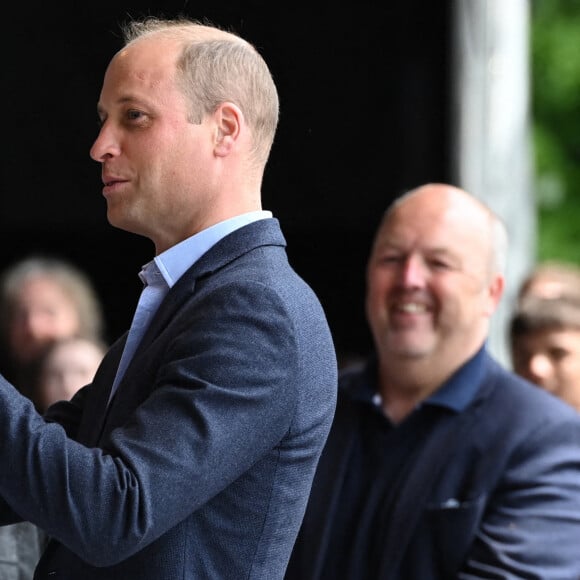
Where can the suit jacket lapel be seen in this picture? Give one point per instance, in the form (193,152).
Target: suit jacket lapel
(228,249)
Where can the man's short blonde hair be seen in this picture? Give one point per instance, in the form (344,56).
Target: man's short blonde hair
(215,67)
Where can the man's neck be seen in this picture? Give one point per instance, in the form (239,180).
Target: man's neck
(403,384)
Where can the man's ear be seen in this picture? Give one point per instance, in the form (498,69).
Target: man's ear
(229,120)
(495,292)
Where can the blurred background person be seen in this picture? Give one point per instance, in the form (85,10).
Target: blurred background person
(545,345)
(42,299)
(68,365)
(440,462)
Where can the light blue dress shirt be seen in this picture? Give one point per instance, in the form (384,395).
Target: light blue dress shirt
(162,273)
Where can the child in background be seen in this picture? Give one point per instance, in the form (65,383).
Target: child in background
(545,345)
(68,365)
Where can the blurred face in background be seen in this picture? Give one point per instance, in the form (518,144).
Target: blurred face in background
(430,292)
(42,312)
(68,366)
(550,358)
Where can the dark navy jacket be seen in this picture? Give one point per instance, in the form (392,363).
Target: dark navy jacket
(491,488)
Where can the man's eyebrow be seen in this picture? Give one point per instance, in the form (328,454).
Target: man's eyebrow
(123,100)
(440,250)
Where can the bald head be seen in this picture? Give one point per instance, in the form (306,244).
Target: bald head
(462,210)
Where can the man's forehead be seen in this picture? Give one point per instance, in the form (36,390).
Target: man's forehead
(133,78)
(149,57)
(404,244)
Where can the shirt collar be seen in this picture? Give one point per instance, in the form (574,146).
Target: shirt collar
(456,393)
(175,261)
(460,389)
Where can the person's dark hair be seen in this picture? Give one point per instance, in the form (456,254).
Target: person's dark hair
(537,314)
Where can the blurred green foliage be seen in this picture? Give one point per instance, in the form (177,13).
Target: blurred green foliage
(555,65)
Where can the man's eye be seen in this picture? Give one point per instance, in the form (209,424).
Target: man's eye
(440,265)
(445,263)
(134,115)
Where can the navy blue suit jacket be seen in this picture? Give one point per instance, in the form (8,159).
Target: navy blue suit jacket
(202,464)
(493,493)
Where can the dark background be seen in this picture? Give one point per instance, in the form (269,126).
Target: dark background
(364,90)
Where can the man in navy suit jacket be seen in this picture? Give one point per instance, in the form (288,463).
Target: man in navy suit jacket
(441,464)
(191,454)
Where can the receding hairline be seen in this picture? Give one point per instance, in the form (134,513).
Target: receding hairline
(215,66)
(182,30)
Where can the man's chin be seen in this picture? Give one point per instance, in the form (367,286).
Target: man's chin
(409,350)
(413,354)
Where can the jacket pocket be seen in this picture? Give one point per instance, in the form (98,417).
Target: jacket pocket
(452,525)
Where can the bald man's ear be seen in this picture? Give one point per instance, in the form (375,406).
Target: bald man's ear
(228,122)
(495,292)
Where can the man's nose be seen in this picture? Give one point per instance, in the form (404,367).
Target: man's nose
(105,145)
(413,272)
